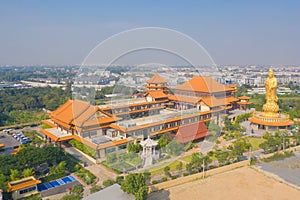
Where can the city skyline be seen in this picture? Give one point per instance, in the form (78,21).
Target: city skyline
(233,33)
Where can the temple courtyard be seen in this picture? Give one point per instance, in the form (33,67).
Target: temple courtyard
(242,183)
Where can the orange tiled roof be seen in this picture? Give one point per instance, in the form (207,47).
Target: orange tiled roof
(203,84)
(115,126)
(232,85)
(48,123)
(184,98)
(100,121)
(2,145)
(13,186)
(156,94)
(156,78)
(244,97)
(70,111)
(55,138)
(78,113)
(230,99)
(212,101)
(244,103)
(191,132)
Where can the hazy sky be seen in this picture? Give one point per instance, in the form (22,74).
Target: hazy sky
(233,32)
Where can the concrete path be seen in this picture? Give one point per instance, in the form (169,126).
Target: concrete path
(77,154)
(101,172)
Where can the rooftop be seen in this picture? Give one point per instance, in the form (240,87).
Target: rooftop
(164,115)
(203,84)
(22,183)
(113,192)
(156,78)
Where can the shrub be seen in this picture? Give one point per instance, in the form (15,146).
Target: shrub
(189,146)
(120,179)
(154,182)
(52,177)
(210,153)
(220,165)
(85,149)
(164,179)
(108,182)
(86,176)
(77,189)
(174,177)
(185,174)
(95,188)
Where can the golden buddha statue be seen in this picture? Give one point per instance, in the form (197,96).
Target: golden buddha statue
(271,108)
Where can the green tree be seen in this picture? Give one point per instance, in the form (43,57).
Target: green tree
(189,167)
(179,167)
(239,147)
(68,89)
(167,171)
(163,141)
(60,168)
(142,193)
(134,183)
(28,172)
(196,161)
(134,148)
(221,156)
(14,175)
(3,183)
(174,148)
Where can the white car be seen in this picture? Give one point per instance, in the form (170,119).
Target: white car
(7,130)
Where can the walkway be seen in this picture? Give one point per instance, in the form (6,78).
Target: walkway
(80,156)
(101,172)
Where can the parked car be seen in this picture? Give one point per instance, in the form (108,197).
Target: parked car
(26,141)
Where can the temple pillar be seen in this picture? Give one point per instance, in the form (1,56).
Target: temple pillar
(98,153)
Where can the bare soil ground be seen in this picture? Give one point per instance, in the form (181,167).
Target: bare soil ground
(242,183)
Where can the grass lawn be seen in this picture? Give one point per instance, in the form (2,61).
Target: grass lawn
(160,169)
(289,98)
(255,142)
(187,158)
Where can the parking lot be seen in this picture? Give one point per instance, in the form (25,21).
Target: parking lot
(9,142)
(287,169)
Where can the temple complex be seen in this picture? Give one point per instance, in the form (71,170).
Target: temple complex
(270,119)
(110,127)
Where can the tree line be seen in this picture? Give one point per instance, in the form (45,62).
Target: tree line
(14,101)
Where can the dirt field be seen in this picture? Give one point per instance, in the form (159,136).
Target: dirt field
(242,183)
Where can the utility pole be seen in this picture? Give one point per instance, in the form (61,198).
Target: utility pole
(203,170)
